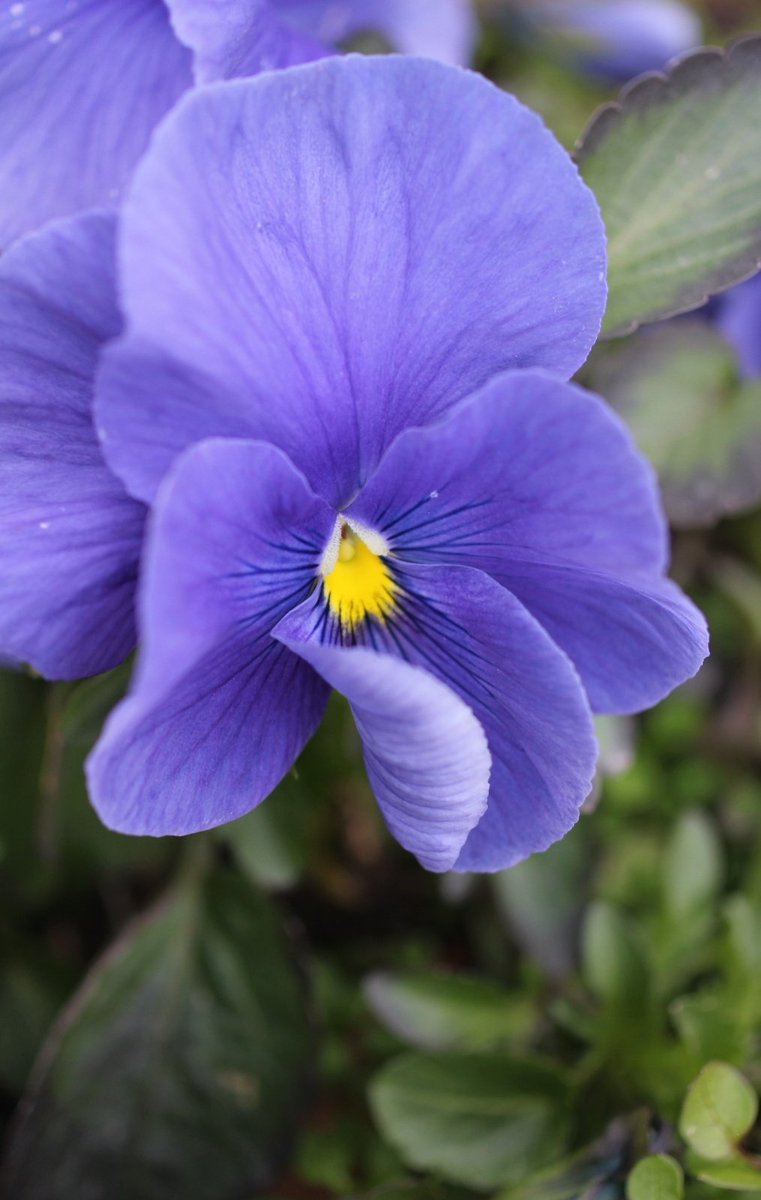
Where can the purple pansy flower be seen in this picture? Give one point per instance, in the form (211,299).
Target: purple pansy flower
(616,39)
(83,83)
(342,305)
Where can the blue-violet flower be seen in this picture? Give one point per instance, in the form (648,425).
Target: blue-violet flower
(352,293)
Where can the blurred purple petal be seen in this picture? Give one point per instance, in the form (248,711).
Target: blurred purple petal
(81,89)
(243,37)
(738,316)
(618,38)
(218,710)
(443,29)
(69,534)
(249,36)
(426,754)
(336,259)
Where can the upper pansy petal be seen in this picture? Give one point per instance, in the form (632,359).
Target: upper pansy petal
(443,29)
(81,89)
(69,534)
(329,247)
(529,464)
(218,710)
(426,754)
(242,38)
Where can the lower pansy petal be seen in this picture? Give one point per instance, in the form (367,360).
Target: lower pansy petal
(632,639)
(69,535)
(218,710)
(211,748)
(426,754)
(466,630)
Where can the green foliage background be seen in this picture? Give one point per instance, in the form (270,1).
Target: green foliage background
(291,1007)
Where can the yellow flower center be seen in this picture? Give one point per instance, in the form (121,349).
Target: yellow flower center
(357,581)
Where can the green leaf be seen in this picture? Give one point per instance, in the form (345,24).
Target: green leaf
(676,167)
(540,901)
(656,1178)
(730,1174)
(678,389)
(720,1108)
(612,963)
(271,844)
(709,1025)
(693,868)
(181,1066)
(480,1120)
(441,1012)
(414,1191)
(33,988)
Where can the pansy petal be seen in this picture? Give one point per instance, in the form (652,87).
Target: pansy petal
(618,38)
(218,710)
(443,29)
(738,316)
(69,534)
(477,639)
(81,89)
(425,752)
(540,484)
(529,464)
(242,38)
(341,259)
(632,639)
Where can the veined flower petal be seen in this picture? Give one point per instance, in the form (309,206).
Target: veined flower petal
(329,257)
(218,710)
(69,534)
(540,484)
(81,88)
(426,754)
(461,627)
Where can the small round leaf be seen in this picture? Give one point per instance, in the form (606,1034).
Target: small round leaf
(720,1108)
(656,1178)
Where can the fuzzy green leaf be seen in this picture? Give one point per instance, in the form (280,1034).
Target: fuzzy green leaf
(720,1108)
(480,1120)
(676,167)
(181,1066)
